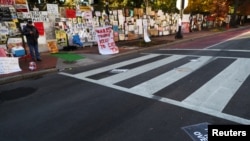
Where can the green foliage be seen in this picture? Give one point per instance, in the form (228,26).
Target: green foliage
(100,6)
(218,7)
(165,5)
(168,6)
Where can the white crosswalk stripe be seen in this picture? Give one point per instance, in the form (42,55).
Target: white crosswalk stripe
(219,90)
(211,98)
(133,72)
(157,83)
(114,66)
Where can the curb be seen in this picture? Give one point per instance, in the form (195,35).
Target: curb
(26,76)
(175,41)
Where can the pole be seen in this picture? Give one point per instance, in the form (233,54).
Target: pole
(179,33)
(107,9)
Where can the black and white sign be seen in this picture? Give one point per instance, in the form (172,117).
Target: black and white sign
(181,4)
(5,14)
(198,132)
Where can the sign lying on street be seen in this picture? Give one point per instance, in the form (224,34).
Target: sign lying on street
(118,70)
(198,132)
(9,65)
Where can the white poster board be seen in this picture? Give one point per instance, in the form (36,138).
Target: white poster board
(52,8)
(139,25)
(105,40)
(9,65)
(145,31)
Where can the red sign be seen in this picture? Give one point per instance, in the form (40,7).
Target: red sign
(40,27)
(7,2)
(70,13)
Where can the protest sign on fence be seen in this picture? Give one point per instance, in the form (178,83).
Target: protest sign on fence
(105,40)
(52,46)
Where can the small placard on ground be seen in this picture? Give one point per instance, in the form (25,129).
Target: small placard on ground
(198,132)
(118,70)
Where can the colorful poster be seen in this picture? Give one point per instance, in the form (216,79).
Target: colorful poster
(88,15)
(3,39)
(9,65)
(62,11)
(61,37)
(105,40)
(185,27)
(19,1)
(21,8)
(14,42)
(52,45)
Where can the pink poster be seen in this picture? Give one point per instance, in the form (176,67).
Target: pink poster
(185,27)
(7,2)
(2,52)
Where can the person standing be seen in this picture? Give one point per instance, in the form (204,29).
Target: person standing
(32,36)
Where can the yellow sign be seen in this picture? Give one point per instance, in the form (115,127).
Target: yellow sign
(61,38)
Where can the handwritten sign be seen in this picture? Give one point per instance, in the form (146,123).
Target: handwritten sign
(105,40)
(52,8)
(39,16)
(21,8)
(9,65)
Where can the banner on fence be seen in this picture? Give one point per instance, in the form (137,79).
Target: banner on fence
(105,40)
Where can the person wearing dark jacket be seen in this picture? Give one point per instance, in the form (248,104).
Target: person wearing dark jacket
(32,36)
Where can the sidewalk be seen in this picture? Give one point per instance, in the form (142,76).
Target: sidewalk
(51,64)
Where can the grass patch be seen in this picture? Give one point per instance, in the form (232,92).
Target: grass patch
(68,57)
